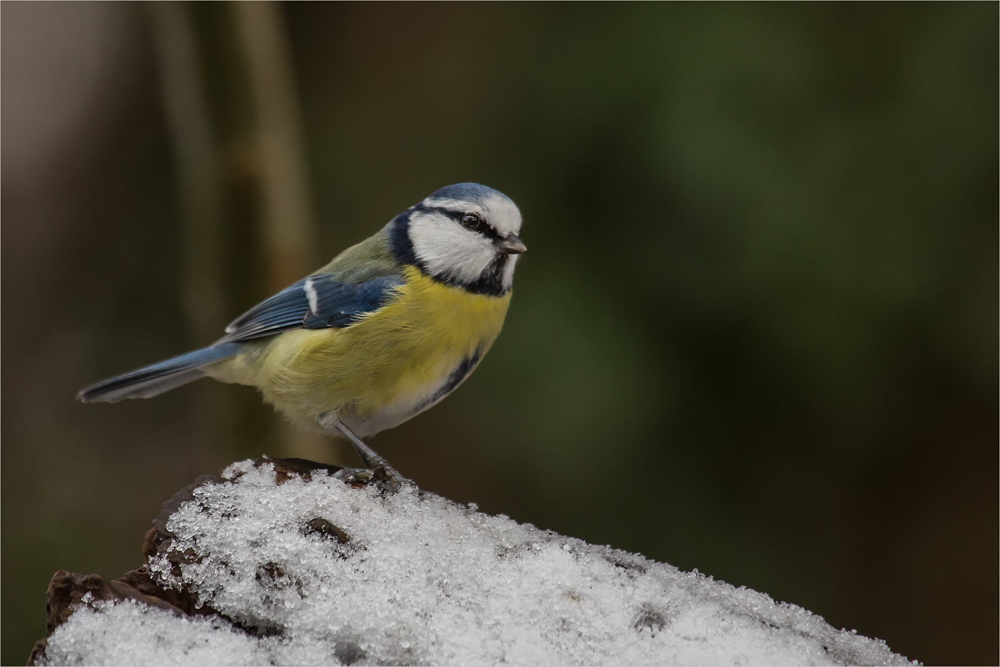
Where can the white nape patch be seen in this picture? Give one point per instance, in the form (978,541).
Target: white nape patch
(311,295)
(449,250)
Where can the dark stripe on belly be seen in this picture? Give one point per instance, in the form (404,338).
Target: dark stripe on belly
(455,378)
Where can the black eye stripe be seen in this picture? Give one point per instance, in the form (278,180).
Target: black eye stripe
(485,229)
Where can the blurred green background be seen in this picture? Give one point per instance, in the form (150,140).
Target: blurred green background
(756,333)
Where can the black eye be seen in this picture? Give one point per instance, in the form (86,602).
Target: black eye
(472,221)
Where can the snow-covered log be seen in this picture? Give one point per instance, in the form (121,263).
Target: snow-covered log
(284,562)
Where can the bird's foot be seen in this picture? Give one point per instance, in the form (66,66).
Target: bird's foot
(384,477)
(377,470)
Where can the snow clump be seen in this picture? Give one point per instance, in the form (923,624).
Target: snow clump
(316,571)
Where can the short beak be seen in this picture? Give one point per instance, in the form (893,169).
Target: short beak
(511,245)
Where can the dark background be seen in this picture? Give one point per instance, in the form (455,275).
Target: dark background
(756,332)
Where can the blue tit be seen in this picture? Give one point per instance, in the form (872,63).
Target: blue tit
(383,332)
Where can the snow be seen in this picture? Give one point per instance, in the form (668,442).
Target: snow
(423,580)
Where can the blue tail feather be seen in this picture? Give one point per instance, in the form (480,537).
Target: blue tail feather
(155,379)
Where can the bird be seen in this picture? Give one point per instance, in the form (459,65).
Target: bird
(386,330)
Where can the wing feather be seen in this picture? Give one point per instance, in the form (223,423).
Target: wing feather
(317,302)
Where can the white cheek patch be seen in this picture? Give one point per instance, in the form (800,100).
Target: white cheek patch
(448,249)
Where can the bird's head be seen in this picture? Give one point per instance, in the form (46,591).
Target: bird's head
(464,235)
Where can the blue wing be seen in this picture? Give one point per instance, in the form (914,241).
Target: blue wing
(318,302)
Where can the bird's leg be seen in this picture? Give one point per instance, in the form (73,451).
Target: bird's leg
(368,455)
(377,466)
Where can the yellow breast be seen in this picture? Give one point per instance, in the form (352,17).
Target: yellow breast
(382,370)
